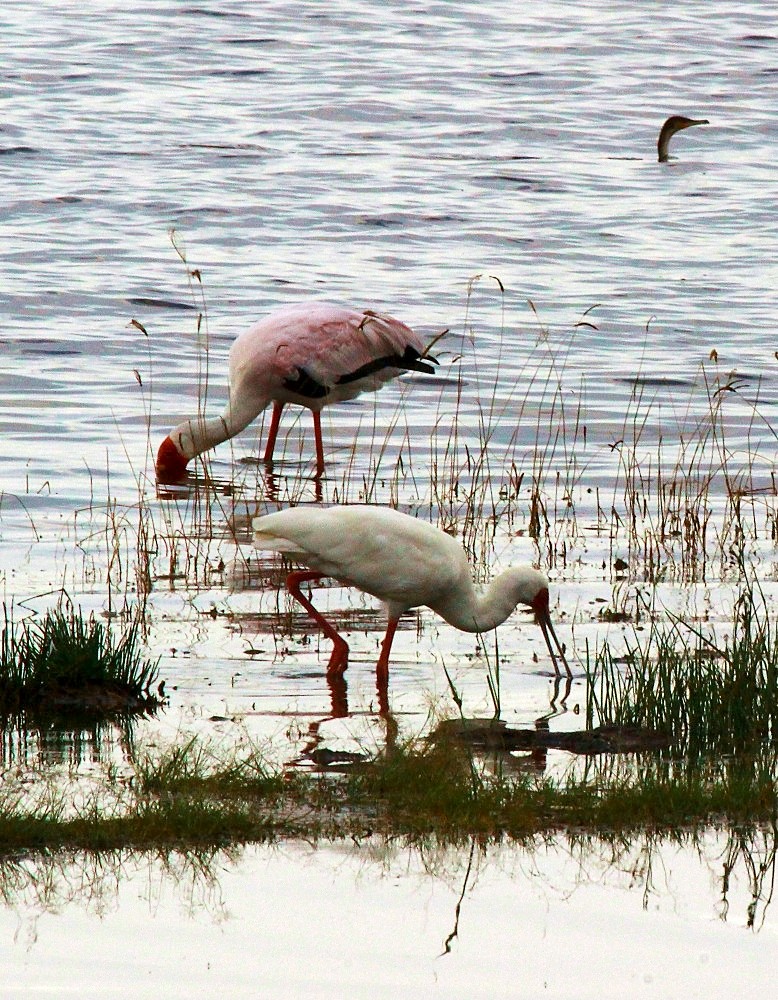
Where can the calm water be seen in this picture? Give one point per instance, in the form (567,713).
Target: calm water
(374,922)
(381,155)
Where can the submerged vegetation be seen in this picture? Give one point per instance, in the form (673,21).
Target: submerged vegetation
(190,797)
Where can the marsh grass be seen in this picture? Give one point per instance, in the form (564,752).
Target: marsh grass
(64,664)
(687,502)
(195,796)
(439,789)
(192,794)
(717,698)
(197,768)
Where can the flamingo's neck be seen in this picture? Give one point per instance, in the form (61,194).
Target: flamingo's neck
(196,435)
(199,434)
(192,437)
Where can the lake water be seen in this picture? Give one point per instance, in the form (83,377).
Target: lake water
(489,168)
(563,920)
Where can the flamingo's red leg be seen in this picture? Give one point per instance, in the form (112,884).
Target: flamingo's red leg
(319,445)
(272,434)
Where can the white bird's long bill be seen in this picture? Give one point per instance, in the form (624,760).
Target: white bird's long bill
(547,628)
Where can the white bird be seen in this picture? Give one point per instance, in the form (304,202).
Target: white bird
(310,353)
(404,561)
(674,124)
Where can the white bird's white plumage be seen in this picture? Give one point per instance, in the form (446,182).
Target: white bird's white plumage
(403,561)
(400,559)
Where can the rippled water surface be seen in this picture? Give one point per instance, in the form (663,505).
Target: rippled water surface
(489,168)
(380,156)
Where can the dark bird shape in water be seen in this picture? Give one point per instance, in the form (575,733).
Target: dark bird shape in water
(675,123)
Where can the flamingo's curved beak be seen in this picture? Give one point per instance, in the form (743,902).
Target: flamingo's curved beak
(171,464)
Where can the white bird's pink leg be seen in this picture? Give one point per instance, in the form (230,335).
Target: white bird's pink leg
(272,434)
(319,445)
(339,658)
(382,667)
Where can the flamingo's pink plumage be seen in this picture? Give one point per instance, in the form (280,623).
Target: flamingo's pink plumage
(312,354)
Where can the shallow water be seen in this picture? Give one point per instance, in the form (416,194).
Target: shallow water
(558,920)
(384,156)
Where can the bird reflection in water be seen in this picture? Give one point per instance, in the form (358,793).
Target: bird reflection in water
(327,760)
(272,483)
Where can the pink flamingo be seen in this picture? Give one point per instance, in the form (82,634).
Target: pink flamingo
(312,354)
(404,561)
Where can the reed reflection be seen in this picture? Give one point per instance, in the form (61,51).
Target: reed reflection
(25,743)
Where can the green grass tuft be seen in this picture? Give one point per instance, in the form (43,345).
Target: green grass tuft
(716,700)
(194,769)
(66,664)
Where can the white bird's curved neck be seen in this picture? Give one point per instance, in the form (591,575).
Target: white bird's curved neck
(470,611)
